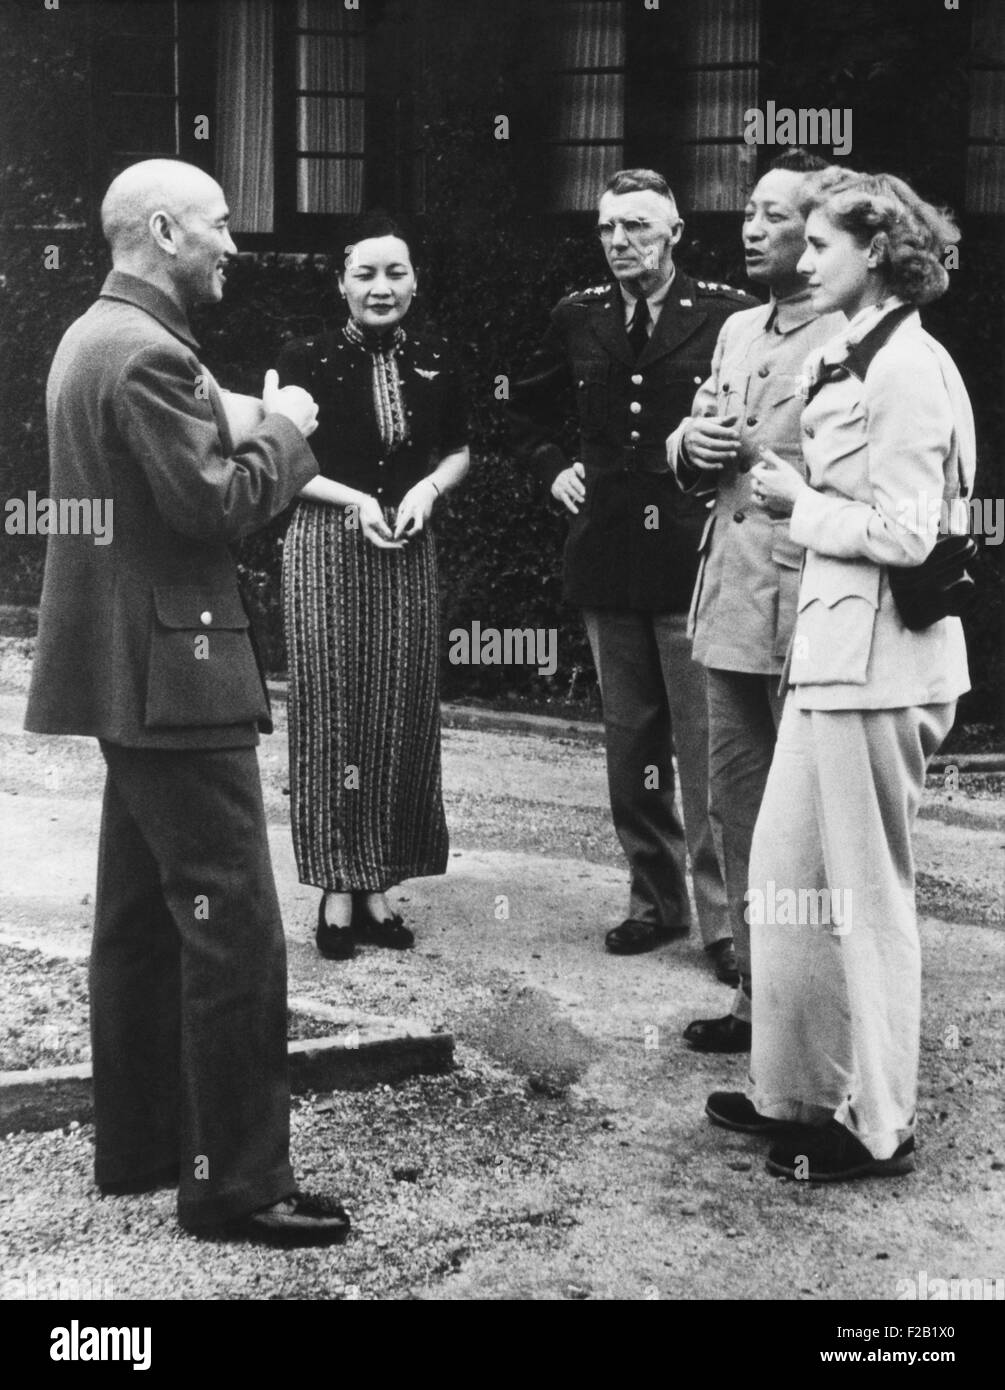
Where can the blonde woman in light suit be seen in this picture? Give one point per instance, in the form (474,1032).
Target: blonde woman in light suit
(887,431)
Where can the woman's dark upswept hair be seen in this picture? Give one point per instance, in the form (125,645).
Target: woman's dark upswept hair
(378,223)
(914,235)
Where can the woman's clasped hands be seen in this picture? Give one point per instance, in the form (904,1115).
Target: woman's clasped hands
(414,511)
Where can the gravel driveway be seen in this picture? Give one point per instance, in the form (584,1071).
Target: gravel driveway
(567,1156)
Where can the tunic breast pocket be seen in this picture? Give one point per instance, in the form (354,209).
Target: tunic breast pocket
(592,395)
(202,669)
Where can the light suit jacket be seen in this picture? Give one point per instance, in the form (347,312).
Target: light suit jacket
(879,452)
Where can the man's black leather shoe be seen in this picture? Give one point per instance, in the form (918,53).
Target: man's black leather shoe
(298,1220)
(148,1182)
(631,938)
(732,1110)
(334,943)
(723,956)
(727,1034)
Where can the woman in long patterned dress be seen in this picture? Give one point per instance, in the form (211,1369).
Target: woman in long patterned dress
(360,599)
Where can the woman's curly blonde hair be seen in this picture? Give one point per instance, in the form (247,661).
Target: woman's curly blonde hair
(913,235)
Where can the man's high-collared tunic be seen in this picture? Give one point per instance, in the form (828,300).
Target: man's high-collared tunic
(744,605)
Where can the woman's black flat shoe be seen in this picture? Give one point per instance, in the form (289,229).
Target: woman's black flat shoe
(392,932)
(334,943)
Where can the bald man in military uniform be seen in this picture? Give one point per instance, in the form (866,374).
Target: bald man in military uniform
(631,354)
(145,645)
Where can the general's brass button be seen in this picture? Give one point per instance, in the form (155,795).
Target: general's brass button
(635,436)
(697,381)
(739,516)
(637,379)
(635,408)
(206,618)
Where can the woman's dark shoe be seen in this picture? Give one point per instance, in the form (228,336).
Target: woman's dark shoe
(733,1110)
(833,1154)
(334,943)
(391,932)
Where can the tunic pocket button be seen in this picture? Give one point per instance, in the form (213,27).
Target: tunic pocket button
(635,408)
(206,618)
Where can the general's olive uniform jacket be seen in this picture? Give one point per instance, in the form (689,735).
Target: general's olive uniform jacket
(634,542)
(136,420)
(744,604)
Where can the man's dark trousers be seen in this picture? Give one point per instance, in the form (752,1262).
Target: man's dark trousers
(188,983)
(654,702)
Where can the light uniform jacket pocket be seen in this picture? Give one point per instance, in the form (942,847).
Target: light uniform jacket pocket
(835,622)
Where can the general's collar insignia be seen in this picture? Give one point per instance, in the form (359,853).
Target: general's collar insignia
(422,371)
(594,292)
(687,304)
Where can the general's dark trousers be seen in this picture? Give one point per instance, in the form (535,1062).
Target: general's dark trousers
(655,701)
(188,983)
(744,711)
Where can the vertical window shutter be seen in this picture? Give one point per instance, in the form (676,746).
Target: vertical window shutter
(245,116)
(718,72)
(588,100)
